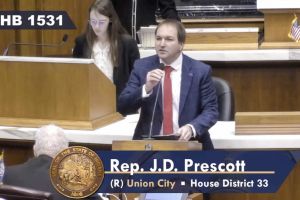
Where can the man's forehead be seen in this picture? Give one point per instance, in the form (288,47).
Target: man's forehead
(167,29)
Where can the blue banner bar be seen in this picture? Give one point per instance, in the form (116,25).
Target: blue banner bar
(194,171)
(35,20)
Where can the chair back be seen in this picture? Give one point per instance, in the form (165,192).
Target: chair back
(225,96)
(10,192)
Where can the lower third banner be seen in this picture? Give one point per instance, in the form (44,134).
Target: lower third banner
(194,171)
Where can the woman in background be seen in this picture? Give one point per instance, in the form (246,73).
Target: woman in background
(107,42)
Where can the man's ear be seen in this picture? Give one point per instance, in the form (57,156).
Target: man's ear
(181,46)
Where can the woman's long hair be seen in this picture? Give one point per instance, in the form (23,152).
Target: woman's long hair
(115,29)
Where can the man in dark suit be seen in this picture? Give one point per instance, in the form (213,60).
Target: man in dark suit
(193,99)
(145,12)
(34,173)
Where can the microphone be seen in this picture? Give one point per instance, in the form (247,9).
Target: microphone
(162,67)
(64,39)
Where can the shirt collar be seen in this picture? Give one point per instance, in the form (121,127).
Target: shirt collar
(176,64)
(96,47)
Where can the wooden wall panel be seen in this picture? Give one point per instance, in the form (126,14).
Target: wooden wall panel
(27,36)
(262,86)
(78,12)
(278,26)
(76,9)
(6,36)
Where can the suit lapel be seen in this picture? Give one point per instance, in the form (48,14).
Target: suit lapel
(186,81)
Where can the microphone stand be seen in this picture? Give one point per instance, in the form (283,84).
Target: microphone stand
(153,112)
(162,67)
(65,38)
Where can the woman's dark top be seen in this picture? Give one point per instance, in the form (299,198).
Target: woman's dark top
(128,53)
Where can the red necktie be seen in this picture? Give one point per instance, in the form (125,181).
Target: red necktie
(168,111)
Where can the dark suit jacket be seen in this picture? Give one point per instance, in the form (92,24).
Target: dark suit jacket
(128,53)
(32,174)
(198,101)
(145,12)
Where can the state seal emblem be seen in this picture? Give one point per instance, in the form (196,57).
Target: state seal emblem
(77,172)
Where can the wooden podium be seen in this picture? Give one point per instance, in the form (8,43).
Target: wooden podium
(278,17)
(156,145)
(71,93)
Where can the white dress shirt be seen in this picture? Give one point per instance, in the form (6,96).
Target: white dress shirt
(102,59)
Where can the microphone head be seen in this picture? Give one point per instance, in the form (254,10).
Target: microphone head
(65,37)
(162,66)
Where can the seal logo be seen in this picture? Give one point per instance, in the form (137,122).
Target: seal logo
(77,172)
